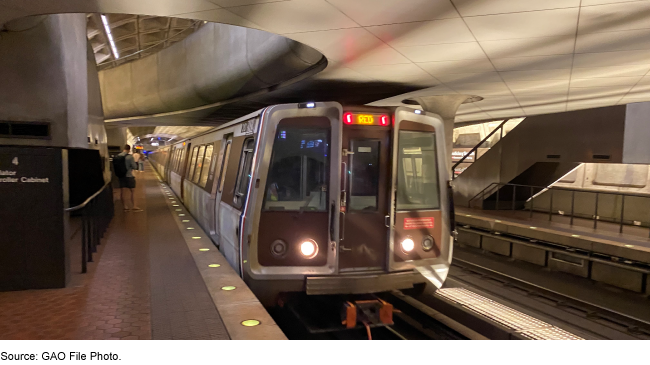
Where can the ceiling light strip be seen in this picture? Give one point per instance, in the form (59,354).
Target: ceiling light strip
(107,28)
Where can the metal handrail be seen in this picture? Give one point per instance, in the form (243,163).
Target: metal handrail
(453,176)
(83,205)
(558,188)
(96,214)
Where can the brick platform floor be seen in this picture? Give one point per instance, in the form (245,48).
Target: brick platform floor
(112,300)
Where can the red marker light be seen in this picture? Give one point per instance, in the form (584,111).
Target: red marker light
(383,120)
(347,118)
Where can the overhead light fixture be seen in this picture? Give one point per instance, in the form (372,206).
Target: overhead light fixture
(417,111)
(107,28)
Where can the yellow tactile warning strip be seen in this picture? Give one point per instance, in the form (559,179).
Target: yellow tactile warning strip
(238,307)
(521,323)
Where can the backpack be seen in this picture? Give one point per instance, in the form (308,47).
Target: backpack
(119,165)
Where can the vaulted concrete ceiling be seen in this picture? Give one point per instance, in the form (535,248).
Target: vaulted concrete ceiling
(524,57)
(174,133)
(134,36)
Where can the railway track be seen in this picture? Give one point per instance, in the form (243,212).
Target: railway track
(587,319)
(544,313)
(412,320)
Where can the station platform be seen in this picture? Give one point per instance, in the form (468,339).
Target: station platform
(604,255)
(149,280)
(634,242)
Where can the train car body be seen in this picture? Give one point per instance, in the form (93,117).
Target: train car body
(321,199)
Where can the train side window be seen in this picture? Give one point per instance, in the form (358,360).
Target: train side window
(244,174)
(199,165)
(190,170)
(206,165)
(417,171)
(172,164)
(224,165)
(213,163)
(181,161)
(298,177)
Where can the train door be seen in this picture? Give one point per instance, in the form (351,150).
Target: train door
(169,153)
(184,168)
(365,204)
(219,179)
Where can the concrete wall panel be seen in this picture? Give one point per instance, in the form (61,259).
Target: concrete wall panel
(626,279)
(44,79)
(175,87)
(117,91)
(75,61)
(147,69)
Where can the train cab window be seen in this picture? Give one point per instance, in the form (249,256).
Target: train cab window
(364,175)
(417,171)
(206,165)
(244,175)
(190,170)
(298,177)
(199,165)
(224,164)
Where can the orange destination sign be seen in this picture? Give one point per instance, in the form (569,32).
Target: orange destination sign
(365,119)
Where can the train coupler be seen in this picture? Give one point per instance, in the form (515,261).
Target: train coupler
(374,311)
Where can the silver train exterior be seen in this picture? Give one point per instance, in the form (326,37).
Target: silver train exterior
(319,198)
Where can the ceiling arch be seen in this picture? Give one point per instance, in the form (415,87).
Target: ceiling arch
(523,57)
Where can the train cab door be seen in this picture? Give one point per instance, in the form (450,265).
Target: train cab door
(184,168)
(420,231)
(365,205)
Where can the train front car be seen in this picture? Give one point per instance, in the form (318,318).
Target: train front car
(346,201)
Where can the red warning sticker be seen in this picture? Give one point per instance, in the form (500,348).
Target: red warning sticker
(417,223)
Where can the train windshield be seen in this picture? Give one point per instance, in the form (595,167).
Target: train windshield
(298,176)
(417,171)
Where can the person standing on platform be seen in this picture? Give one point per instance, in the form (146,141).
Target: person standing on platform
(124,164)
(136,159)
(141,161)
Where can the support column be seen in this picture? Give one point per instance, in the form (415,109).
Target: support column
(43,103)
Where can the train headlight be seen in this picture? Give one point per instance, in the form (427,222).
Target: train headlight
(278,248)
(427,243)
(309,249)
(407,245)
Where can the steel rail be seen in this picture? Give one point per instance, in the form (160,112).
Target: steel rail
(469,265)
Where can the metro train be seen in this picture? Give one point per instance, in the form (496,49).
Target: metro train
(321,199)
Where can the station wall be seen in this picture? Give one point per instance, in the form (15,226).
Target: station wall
(589,178)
